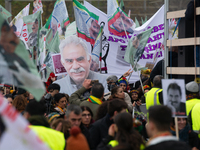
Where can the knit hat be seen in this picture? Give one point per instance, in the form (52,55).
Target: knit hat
(135,91)
(77,140)
(146,73)
(192,87)
(52,116)
(146,87)
(123,80)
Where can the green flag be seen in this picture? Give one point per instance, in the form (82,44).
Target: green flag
(33,25)
(137,23)
(122,5)
(54,46)
(6,14)
(136,47)
(49,39)
(145,20)
(16,66)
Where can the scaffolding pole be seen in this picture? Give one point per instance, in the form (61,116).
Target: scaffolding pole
(165,39)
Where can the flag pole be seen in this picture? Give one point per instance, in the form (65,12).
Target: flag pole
(140,79)
(100,53)
(124,28)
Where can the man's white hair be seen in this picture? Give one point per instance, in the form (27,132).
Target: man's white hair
(73,40)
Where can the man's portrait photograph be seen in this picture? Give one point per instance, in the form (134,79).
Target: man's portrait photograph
(174,96)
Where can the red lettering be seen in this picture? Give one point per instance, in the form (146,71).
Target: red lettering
(24,34)
(26,39)
(24,30)
(10,113)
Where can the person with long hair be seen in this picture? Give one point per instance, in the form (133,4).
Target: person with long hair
(87,116)
(122,135)
(185,133)
(117,92)
(20,103)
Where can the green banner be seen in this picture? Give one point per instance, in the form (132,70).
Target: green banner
(16,66)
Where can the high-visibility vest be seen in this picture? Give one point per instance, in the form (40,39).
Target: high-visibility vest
(152,97)
(54,139)
(195,115)
(114,143)
(190,104)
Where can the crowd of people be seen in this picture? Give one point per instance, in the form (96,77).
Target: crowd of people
(86,110)
(109,120)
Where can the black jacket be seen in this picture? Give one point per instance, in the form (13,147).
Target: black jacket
(85,132)
(189,16)
(169,144)
(99,130)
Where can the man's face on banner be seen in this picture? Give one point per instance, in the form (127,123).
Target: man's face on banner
(127,24)
(136,42)
(174,97)
(94,29)
(76,63)
(35,26)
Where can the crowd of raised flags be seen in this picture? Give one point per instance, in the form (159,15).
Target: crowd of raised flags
(43,41)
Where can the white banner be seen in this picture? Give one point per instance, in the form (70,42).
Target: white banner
(17,22)
(114,47)
(24,35)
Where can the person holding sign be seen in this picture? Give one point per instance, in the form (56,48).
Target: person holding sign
(174,95)
(185,133)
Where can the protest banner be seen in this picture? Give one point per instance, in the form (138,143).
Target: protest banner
(16,67)
(17,130)
(24,35)
(114,47)
(71,29)
(17,23)
(136,47)
(174,96)
(118,21)
(33,25)
(37,6)
(58,68)
(6,14)
(60,18)
(97,52)
(86,23)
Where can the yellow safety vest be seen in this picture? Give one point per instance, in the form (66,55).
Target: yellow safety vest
(152,97)
(190,104)
(195,115)
(114,143)
(54,139)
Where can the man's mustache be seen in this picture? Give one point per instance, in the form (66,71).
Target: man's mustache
(81,69)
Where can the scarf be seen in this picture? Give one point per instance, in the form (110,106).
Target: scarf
(60,110)
(183,134)
(191,96)
(95,100)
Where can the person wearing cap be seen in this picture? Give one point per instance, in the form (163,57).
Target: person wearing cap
(77,140)
(7,87)
(192,90)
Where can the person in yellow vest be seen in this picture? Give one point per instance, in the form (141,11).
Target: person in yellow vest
(154,96)
(192,90)
(194,118)
(34,113)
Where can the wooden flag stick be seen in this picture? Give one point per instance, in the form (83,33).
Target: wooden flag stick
(176,127)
